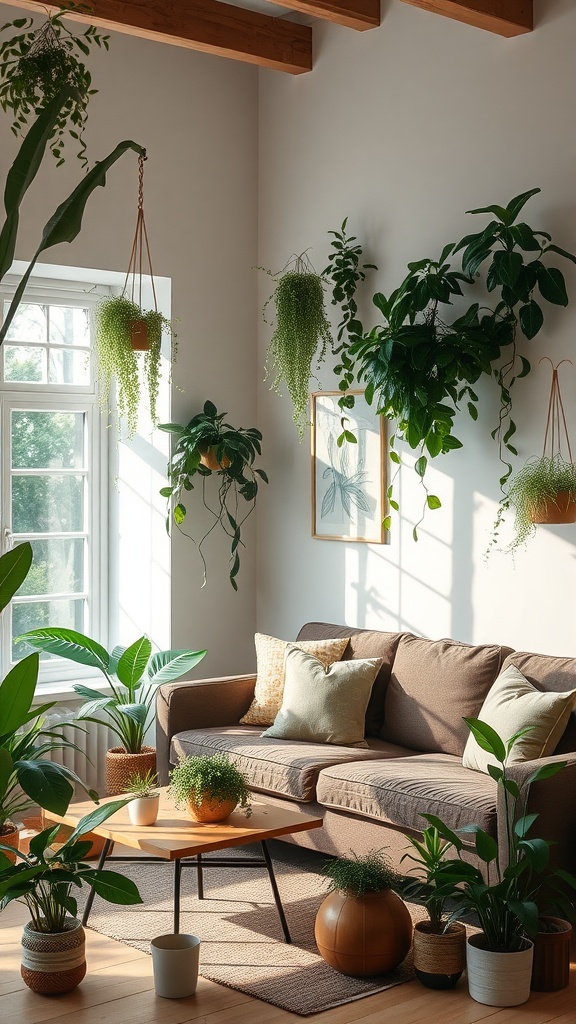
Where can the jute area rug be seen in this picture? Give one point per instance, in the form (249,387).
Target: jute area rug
(241,938)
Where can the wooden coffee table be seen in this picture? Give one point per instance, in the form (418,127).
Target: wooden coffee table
(176,837)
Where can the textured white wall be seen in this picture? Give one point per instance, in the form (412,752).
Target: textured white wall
(402,129)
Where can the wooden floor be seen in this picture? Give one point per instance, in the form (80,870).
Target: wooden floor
(118,989)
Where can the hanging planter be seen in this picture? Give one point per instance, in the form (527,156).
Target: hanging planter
(125,328)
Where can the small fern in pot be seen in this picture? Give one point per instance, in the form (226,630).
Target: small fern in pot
(210,787)
(544,490)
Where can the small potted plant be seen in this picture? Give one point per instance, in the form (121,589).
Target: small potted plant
(208,446)
(363,928)
(543,491)
(439,944)
(53,943)
(210,787)
(143,808)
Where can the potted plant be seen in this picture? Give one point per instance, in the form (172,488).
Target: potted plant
(209,446)
(499,958)
(210,787)
(133,674)
(543,491)
(53,953)
(362,928)
(143,808)
(552,945)
(439,943)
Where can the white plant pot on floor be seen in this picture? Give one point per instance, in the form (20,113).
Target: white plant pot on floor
(498,979)
(175,964)
(143,810)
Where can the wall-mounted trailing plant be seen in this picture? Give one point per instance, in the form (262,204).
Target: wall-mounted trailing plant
(209,447)
(301,332)
(37,63)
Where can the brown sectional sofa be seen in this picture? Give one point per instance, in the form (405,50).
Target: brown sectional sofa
(371,798)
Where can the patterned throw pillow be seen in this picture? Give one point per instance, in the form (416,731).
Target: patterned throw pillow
(270,655)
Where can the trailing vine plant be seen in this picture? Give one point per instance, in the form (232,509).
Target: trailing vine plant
(301,329)
(36,64)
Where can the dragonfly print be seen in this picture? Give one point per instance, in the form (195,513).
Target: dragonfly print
(345,487)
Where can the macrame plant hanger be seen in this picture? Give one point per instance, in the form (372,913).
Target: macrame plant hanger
(563,508)
(140,263)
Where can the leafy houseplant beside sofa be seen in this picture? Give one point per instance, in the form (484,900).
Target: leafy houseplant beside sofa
(410,762)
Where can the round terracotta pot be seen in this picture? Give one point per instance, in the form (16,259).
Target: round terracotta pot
(120,767)
(53,962)
(363,936)
(439,958)
(498,979)
(10,836)
(551,965)
(211,809)
(208,459)
(139,335)
(561,509)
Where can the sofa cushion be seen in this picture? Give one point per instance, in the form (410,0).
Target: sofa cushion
(286,768)
(400,790)
(363,643)
(548,672)
(434,684)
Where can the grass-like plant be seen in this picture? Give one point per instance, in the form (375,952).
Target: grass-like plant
(359,876)
(118,361)
(301,329)
(195,778)
(428,854)
(141,786)
(538,482)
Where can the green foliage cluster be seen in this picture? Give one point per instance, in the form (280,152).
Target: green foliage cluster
(539,481)
(36,64)
(143,785)
(359,876)
(428,854)
(212,776)
(44,879)
(235,449)
(119,362)
(301,328)
(132,673)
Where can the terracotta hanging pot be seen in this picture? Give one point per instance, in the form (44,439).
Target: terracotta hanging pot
(208,459)
(53,962)
(498,979)
(211,809)
(551,966)
(139,336)
(363,936)
(10,836)
(120,767)
(560,509)
(439,958)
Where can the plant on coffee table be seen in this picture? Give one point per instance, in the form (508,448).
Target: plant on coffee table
(210,786)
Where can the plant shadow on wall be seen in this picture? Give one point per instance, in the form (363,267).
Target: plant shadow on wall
(210,449)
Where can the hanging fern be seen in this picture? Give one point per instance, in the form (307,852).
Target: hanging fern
(538,482)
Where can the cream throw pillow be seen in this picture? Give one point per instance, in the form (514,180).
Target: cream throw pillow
(270,655)
(512,704)
(325,704)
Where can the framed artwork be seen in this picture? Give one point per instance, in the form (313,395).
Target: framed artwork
(348,483)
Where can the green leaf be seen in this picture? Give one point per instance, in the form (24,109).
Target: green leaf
(17,693)
(133,662)
(179,513)
(94,818)
(531,319)
(486,847)
(14,566)
(69,644)
(6,768)
(444,831)
(473,410)
(394,457)
(519,202)
(508,266)
(523,824)
(546,771)
(387,522)
(487,738)
(552,285)
(433,502)
(495,772)
(169,665)
(420,465)
(45,784)
(113,887)
(561,252)
(503,214)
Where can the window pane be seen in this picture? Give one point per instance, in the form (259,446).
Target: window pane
(38,615)
(25,364)
(57,567)
(69,325)
(47,440)
(47,504)
(29,323)
(67,366)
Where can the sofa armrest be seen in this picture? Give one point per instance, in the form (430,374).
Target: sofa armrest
(554,801)
(198,704)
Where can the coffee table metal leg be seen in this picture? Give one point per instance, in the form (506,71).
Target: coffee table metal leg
(90,900)
(199,877)
(177,877)
(277,900)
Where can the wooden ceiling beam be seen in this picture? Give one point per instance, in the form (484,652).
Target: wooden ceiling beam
(205,25)
(358,14)
(505,17)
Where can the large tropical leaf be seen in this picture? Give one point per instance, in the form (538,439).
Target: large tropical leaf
(168,665)
(14,566)
(113,887)
(67,643)
(6,768)
(45,784)
(95,818)
(132,664)
(16,695)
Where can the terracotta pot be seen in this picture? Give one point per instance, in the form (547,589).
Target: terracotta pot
(363,936)
(10,836)
(143,810)
(439,959)
(498,979)
(211,809)
(64,833)
(53,962)
(208,459)
(551,966)
(139,336)
(120,767)
(561,509)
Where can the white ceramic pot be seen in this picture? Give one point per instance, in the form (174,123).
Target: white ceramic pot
(144,810)
(498,979)
(175,965)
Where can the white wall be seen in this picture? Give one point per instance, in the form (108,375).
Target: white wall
(197,116)
(402,129)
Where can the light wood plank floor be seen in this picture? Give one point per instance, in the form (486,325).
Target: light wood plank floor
(118,989)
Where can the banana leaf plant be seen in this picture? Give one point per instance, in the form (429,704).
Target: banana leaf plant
(132,673)
(66,222)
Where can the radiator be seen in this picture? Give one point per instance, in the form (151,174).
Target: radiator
(89,760)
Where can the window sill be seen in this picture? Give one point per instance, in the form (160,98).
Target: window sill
(64,690)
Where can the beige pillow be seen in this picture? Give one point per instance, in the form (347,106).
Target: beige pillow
(512,704)
(270,655)
(325,704)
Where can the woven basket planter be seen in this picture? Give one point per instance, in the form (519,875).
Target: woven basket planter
(120,767)
(10,836)
(53,962)
(551,965)
(363,936)
(439,959)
